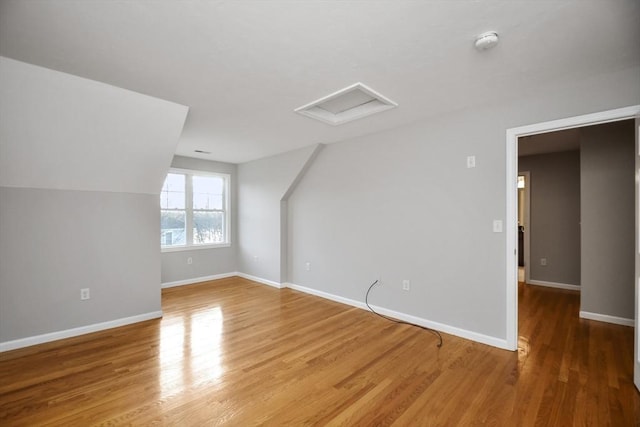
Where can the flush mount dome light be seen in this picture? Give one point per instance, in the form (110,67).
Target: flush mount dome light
(351,103)
(486,40)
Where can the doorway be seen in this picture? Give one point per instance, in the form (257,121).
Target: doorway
(524,232)
(512,136)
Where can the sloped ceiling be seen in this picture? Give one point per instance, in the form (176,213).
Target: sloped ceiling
(59,131)
(243,66)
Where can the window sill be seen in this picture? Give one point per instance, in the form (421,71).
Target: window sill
(195,247)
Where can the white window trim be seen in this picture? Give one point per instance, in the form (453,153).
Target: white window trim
(189,246)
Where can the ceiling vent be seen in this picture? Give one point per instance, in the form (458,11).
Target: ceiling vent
(351,103)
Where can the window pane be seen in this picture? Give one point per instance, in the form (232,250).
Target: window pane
(172,195)
(172,228)
(174,182)
(207,201)
(208,227)
(208,192)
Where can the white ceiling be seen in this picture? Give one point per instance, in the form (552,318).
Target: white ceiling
(243,66)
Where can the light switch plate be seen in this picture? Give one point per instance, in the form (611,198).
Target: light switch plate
(471,162)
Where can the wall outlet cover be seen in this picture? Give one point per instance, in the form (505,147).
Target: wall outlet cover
(471,162)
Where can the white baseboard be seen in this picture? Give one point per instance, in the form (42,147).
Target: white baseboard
(260,280)
(554,285)
(222,276)
(606,318)
(462,333)
(197,280)
(326,295)
(68,333)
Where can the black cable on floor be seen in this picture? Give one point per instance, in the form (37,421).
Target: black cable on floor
(366,301)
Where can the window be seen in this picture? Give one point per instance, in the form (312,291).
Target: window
(194,210)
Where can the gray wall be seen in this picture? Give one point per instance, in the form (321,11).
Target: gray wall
(262,186)
(55,242)
(205,262)
(401,205)
(608,219)
(394,205)
(81,167)
(554,216)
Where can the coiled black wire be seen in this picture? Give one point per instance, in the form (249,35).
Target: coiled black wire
(366,301)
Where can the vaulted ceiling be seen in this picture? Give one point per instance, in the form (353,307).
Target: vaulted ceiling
(243,66)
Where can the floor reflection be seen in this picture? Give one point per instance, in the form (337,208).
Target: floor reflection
(206,346)
(171,356)
(190,351)
(524,348)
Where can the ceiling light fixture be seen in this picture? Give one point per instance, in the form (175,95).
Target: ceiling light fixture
(486,40)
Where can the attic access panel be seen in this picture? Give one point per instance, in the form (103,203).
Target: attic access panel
(351,103)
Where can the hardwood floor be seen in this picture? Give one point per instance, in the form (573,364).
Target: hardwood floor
(233,352)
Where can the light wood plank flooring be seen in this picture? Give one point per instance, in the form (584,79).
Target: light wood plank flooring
(233,352)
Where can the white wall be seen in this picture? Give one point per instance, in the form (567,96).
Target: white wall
(205,262)
(263,186)
(402,205)
(81,167)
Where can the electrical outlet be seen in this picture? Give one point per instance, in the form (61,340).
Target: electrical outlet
(255,258)
(543,261)
(84,294)
(189,260)
(406,285)
(307,266)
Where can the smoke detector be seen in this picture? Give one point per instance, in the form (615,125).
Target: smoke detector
(486,40)
(351,103)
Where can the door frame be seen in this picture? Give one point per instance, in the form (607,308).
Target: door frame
(526,247)
(636,335)
(511,221)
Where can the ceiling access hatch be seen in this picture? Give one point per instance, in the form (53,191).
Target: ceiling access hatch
(351,103)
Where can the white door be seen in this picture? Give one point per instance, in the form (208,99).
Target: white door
(636,358)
